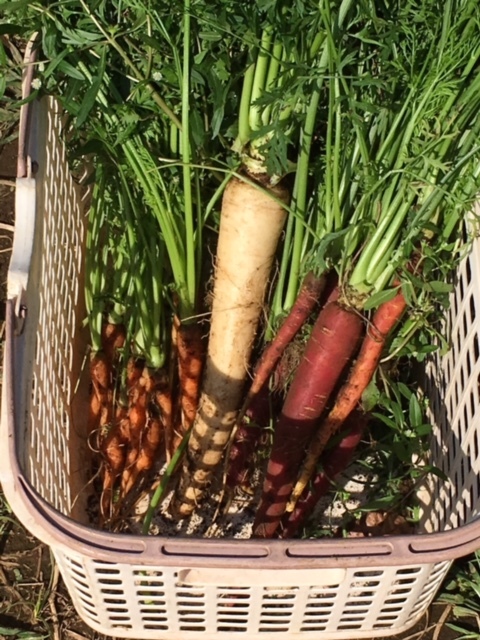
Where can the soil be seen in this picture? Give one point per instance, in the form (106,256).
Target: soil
(34,604)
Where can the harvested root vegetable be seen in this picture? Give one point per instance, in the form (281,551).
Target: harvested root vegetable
(151,441)
(307,298)
(249,432)
(134,372)
(100,376)
(162,398)
(191,356)
(137,416)
(331,345)
(384,319)
(149,445)
(113,338)
(101,372)
(113,449)
(336,460)
(251,222)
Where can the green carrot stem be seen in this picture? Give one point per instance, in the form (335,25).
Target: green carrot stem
(244,131)
(162,487)
(187,306)
(259,80)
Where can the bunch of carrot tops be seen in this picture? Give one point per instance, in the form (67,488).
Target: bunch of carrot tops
(278,196)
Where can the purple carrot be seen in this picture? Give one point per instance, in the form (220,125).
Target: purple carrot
(335,460)
(332,343)
(308,297)
(246,441)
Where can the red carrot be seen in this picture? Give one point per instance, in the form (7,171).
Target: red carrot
(247,437)
(384,319)
(336,460)
(307,298)
(332,343)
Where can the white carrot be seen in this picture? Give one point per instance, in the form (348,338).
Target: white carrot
(251,223)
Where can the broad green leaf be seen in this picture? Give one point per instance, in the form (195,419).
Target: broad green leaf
(424,429)
(217,121)
(92,92)
(440,287)
(414,411)
(370,396)
(3,56)
(402,452)
(379,298)
(70,70)
(404,390)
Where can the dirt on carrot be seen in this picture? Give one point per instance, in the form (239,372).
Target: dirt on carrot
(251,223)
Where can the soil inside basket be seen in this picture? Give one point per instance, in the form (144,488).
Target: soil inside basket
(224,514)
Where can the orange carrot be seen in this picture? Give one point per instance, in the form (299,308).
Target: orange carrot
(134,372)
(101,377)
(150,444)
(137,416)
(191,355)
(100,373)
(163,400)
(113,449)
(113,338)
(94,411)
(384,319)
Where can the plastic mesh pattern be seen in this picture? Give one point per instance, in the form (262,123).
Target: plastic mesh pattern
(453,389)
(59,216)
(148,602)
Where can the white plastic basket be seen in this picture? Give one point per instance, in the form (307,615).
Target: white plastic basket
(160,588)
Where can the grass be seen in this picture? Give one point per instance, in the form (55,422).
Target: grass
(461,593)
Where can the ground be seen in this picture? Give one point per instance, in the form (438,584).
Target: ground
(34,604)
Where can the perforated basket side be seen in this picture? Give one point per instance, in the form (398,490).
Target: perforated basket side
(50,346)
(151,602)
(57,451)
(452,499)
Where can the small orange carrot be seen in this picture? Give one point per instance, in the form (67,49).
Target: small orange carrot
(113,338)
(163,399)
(150,444)
(191,355)
(137,416)
(113,449)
